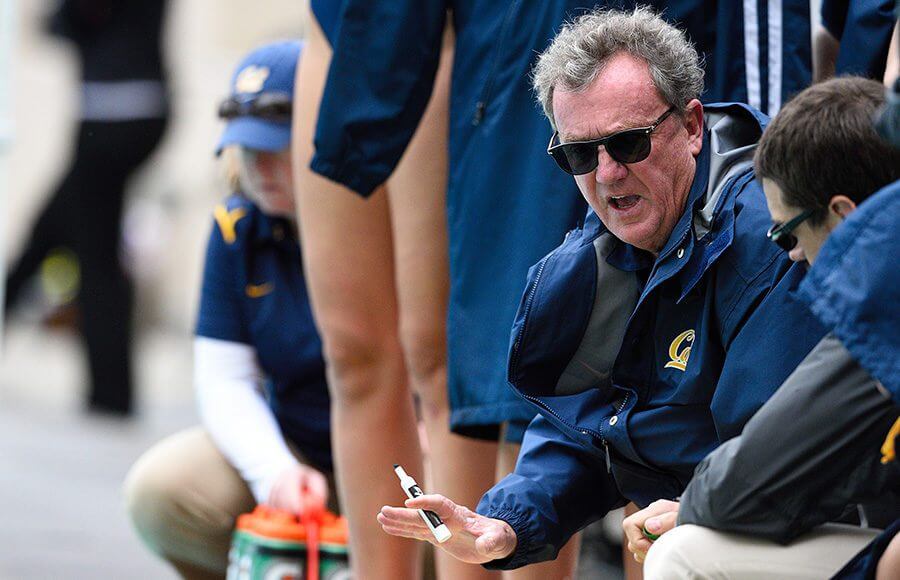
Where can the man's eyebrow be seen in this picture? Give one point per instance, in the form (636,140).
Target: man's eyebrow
(592,136)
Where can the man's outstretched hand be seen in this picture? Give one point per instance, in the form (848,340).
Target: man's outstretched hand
(476,539)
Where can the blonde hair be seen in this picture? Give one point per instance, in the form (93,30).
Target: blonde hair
(230,167)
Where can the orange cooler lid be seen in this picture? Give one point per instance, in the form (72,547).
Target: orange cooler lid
(282,525)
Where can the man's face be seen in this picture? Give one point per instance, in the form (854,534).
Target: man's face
(640,203)
(809,238)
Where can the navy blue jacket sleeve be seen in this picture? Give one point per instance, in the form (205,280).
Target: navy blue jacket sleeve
(382,71)
(766,335)
(557,489)
(220,308)
(864,29)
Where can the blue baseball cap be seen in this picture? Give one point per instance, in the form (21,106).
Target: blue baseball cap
(267,73)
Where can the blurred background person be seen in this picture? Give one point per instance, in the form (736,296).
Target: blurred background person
(854,38)
(258,369)
(62,469)
(755,51)
(123,113)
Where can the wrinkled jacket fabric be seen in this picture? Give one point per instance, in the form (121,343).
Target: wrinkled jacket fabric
(639,367)
(854,288)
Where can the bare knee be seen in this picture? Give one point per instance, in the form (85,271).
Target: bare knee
(164,510)
(425,356)
(151,502)
(363,361)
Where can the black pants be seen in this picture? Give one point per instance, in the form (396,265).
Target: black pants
(85,214)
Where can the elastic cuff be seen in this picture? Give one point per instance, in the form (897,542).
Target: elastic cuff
(524,540)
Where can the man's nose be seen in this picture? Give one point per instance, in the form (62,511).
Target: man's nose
(608,169)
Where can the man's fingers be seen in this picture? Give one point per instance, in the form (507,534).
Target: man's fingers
(639,547)
(401,516)
(662,523)
(406,533)
(434,502)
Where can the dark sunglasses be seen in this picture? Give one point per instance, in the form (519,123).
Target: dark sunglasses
(269,106)
(781,233)
(628,146)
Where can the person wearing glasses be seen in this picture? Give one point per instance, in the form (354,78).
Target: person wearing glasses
(832,190)
(655,331)
(258,367)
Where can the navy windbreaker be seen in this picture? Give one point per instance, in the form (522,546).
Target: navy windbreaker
(854,288)
(640,367)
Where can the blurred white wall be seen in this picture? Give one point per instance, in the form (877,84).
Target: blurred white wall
(172,198)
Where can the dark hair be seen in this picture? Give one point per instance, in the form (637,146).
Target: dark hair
(823,143)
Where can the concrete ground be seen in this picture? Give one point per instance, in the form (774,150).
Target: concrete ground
(61,469)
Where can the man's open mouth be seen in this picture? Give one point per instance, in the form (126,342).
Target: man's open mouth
(624,201)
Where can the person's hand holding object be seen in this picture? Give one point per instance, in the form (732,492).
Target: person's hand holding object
(299,489)
(657,518)
(476,539)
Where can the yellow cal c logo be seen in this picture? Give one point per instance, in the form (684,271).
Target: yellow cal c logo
(259,290)
(680,350)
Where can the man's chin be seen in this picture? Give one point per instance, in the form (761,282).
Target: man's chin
(634,234)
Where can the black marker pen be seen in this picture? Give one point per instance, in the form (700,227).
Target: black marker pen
(438,528)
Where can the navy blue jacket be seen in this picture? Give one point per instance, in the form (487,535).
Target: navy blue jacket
(254,293)
(854,288)
(639,367)
(864,29)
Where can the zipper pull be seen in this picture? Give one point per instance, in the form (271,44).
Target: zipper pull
(479,113)
(608,462)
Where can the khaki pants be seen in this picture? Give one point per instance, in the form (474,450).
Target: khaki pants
(183,498)
(694,552)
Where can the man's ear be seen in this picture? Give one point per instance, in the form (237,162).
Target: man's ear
(693,122)
(841,205)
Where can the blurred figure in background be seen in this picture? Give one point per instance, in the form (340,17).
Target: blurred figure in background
(258,368)
(123,113)
(854,38)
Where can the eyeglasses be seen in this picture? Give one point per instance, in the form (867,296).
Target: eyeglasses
(628,146)
(781,233)
(269,106)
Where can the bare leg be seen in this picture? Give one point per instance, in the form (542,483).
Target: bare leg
(566,563)
(348,259)
(889,564)
(461,468)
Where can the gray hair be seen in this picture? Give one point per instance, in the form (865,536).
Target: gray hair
(582,48)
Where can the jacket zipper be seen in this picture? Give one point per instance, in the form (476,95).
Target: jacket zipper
(487,92)
(528,302)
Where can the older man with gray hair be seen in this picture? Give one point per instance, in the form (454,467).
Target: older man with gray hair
(655,331)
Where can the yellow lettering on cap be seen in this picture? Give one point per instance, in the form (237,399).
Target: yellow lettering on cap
(678,354)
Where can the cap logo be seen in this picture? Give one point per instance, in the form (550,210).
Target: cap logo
(251,79)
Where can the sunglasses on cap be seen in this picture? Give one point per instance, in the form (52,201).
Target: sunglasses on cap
(781,233)
(269,106)
(628,146)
